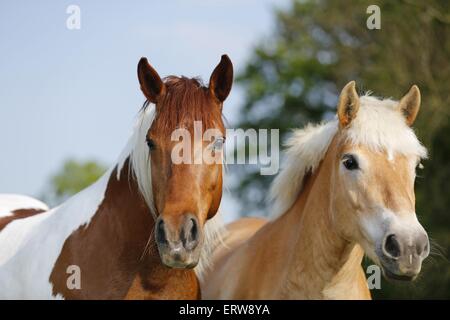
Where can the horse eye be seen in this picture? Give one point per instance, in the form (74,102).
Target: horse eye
(350,162)
(151,144)
(218,143)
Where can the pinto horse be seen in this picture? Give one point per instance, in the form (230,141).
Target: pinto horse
(140,229)
(347,188)
(15,206)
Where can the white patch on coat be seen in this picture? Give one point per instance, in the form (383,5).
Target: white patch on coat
(11,202)
(30,247)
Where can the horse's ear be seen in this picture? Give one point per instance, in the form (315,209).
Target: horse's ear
(151,84)
(409,105)
(348,105)
(222,79)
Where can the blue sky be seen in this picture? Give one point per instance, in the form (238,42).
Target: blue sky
(74,93)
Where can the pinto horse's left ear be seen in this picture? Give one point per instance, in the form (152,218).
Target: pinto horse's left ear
(409,105)
(348,105)
(222,79)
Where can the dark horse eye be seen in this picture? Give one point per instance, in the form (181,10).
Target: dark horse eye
(350,162)
(151,144)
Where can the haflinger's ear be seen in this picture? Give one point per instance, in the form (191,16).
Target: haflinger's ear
(348,105)
(409,105)
(222,79)
(151,84)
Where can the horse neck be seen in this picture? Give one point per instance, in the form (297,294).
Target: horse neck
(321,260)
(115,248)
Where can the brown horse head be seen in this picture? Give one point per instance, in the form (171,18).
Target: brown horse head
(184,194)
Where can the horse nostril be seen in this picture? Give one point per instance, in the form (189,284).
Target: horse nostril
(190,234)
(391,246)
(422,245)
(194,231)
(161,232)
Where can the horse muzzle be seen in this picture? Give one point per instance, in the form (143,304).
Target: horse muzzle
(179,241)
(401,254)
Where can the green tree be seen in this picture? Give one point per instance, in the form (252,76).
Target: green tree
(73,177)
(294,77)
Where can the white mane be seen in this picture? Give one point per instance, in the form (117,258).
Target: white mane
(139,154)
(377,125)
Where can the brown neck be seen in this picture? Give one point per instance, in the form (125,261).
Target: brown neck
(321,260)
(110,250)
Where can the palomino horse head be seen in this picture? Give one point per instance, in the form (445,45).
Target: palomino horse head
(375,156)
(185,194)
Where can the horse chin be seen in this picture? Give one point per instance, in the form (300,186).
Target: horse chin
(390,272)
(393,276)
(174,262)
(179,265)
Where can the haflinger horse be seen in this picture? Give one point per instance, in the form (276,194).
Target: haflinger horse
(347,188)
(138,232)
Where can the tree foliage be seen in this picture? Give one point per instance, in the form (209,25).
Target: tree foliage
(73,177)
(294,77)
